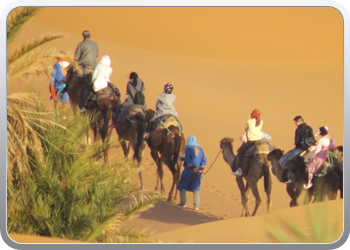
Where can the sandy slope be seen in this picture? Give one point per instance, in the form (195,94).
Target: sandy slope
(223,63)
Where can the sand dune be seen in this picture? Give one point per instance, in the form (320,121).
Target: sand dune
(223,63)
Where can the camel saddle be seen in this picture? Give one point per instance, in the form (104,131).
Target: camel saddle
(165,121)
(103,94)
(326,166)
(260,147)
(307,153)
(130,111)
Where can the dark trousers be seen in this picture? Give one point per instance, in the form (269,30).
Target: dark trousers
(241,151)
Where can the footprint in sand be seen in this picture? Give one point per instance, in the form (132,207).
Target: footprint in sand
(218,192)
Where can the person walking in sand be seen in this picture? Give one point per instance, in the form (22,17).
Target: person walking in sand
(57,84)
(191,176)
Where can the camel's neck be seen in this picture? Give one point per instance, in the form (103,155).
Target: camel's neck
(228,155)
(277,170)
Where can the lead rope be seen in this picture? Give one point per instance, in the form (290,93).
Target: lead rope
(213,162)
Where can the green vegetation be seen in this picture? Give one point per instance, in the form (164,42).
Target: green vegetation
(320,227)
(56,184)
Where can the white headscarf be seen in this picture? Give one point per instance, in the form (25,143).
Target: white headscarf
(102,73)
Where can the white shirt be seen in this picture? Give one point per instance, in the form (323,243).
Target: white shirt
(253,132)
(102,73)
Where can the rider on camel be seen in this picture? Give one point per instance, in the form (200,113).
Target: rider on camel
(164,105)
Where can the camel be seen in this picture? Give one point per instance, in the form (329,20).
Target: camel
(324,185)
(103,106)
(166,146)
(132,130)
(253,170)
(293,189)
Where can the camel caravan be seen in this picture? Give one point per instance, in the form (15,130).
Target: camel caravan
(131,120)
(161,130)
(314,167)
(263,161)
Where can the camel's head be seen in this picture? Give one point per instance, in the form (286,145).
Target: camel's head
(227,141)
(275,154)
(149,114)
(336,154)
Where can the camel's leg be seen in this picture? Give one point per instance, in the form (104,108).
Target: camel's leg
(173,188)
(244,199)
(140,164)
(159,164)
(161,174)
(158,181)
(133,143)
(74,106)
(168,160)
(297,194)
(319,188)
(176,179)
(128,152)
(253,185)
(268,186)
(308,196)
(178,170)
(292,192)
(140,177)
(123,144)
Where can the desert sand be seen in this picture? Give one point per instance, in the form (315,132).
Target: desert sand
(223,62)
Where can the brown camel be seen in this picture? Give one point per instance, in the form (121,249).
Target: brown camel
(253,170)
(132,130)
(324,185)
(102,107)
(293,189)
(166,146)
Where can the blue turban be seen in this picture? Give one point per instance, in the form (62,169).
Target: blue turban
(191,141)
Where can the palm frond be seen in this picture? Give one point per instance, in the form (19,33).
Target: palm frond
(35,64)
(17,18)
(30,46)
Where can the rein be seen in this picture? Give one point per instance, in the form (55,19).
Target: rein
(331,169)
(169,132)
(213,162)
(134,122)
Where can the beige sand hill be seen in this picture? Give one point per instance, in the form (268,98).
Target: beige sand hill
(223,63)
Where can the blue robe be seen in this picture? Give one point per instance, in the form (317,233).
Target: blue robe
(193,155)
(57,79)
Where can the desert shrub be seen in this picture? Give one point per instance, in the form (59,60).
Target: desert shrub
(69,191)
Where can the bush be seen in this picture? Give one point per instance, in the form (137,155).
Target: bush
(69,190)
